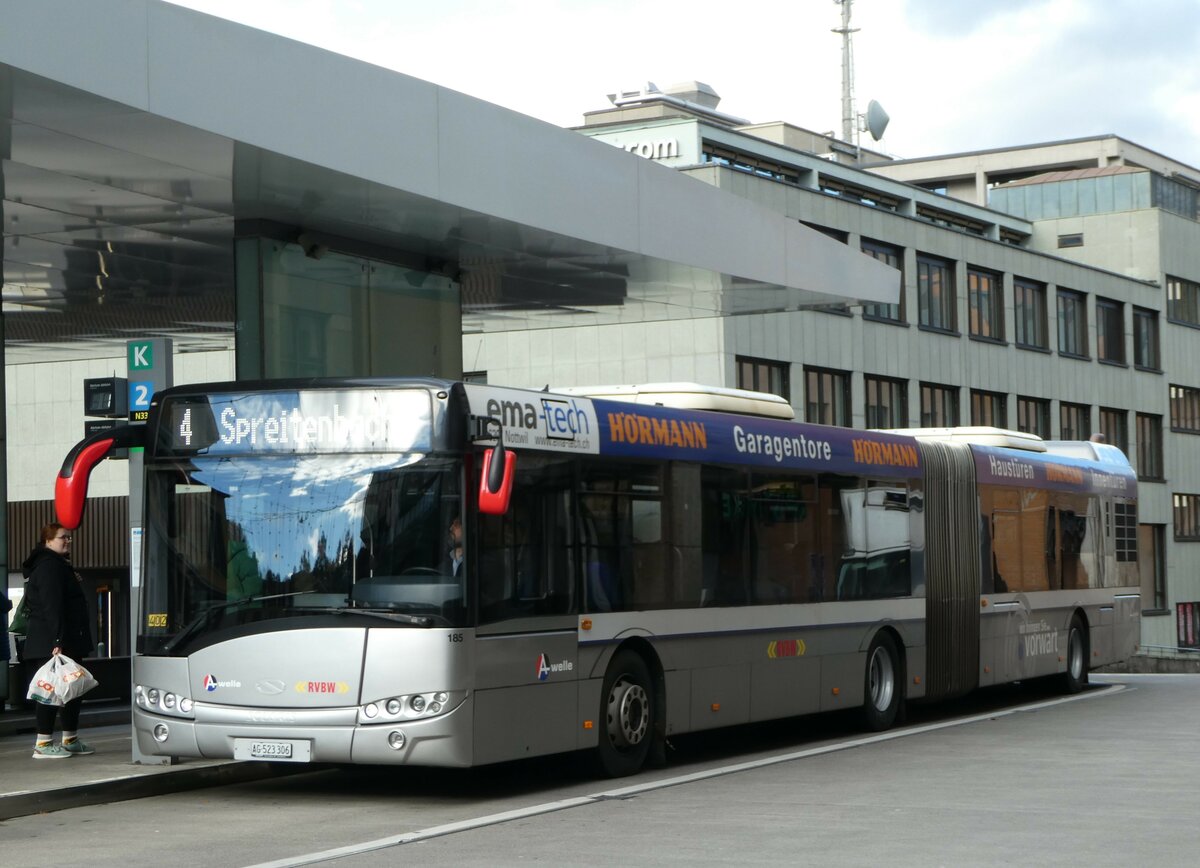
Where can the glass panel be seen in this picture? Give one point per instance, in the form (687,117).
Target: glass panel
(525,556)
(332,314)
(621,535)
(724,508)
(248,346)
(877,562)
(414,320)
(233,541)
(783,526)
(312,311)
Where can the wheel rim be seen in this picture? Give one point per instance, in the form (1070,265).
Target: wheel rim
(628,713)
(1075,654)
(883,679)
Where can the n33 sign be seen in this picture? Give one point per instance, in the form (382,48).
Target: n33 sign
(140,393)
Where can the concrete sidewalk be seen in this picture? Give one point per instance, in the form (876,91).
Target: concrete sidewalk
(29,786)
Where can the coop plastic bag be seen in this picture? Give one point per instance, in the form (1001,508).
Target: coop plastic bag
(41,687)
(60,680)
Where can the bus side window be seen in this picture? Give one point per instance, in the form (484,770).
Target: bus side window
(724,506)
(523,566)
(601,575)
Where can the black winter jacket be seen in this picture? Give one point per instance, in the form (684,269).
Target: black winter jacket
(57,607)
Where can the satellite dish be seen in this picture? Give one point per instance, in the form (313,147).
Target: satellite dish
(877,120)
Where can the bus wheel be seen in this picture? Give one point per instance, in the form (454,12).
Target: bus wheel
(1076,676)
(626,707)
(882,691)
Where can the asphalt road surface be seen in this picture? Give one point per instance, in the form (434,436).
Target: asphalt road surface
(1013,776)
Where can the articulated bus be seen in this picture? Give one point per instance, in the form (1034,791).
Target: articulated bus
(426,572)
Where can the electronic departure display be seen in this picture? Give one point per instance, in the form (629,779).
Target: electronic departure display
(299,421)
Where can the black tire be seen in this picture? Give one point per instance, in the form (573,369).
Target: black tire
(626,716)
(883,690)
(1076,676)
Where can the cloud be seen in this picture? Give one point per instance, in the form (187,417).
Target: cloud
(1006,74)
(956,18)
(954,75)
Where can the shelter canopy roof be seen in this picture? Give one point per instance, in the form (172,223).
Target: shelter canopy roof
(136,135)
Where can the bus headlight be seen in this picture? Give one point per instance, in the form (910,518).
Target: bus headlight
(160,701)
(412,706)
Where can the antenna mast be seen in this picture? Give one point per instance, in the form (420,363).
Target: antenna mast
(848,118)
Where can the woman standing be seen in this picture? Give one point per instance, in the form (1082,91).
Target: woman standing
(58,623)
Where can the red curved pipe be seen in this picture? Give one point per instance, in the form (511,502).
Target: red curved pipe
(70,488)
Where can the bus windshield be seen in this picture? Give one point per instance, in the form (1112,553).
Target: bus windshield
(232,543)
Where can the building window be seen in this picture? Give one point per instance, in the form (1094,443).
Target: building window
(887,403)
(935,293)
(1033,416)
(939,406)
(893,256)
(1185,409)
(851,193)
(1110,331)
(1187,517)
(1145,338)
(1187,624)
(827,397)
(985,304)
(1074,239)
(1152,566)
(1074,421)
(1183,300)
(987,408)
(1125,531)
(1114,425)
(950,220)
(1029,314)
(1149,446)
(760,375)
(764,168)
(1072,324)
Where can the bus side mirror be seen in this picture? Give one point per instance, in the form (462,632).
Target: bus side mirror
(71,486)
(496,480)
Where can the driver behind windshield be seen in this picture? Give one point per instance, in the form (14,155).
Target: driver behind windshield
(452,565)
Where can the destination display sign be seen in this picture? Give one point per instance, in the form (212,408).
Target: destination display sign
(373,420)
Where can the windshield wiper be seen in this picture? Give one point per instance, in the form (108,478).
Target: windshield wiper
(399,617)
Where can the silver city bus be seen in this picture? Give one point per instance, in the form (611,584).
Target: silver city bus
(435,573)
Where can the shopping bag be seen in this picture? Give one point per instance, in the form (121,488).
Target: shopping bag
(41,688)
(70,679)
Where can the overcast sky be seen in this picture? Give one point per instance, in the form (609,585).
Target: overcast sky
(954,75)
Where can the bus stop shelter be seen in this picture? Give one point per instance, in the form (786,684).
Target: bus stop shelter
(170,174)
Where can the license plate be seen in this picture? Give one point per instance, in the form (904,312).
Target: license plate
(271,749)
(286,751)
